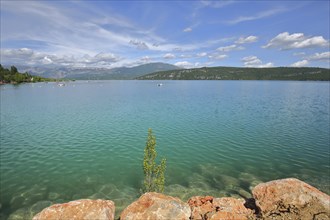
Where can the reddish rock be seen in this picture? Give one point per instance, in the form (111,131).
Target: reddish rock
(218,208)
(231,208)
(201,206)
(291,199)
(80,209)
(156,206)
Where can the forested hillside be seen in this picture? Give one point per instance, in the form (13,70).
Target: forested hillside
(241,73)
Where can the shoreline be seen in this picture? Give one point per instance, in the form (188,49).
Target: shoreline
(278,199)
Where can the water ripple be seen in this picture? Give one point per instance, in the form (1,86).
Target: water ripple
(220,138)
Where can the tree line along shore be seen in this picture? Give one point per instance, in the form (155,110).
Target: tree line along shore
(12,76)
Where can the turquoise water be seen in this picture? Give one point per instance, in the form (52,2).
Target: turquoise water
(220,138)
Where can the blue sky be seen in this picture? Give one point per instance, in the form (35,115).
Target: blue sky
(185,33)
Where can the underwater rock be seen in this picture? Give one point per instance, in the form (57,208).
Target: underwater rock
(291,199)
(28,197)
(21,214)
(79,209)
(16,202)
(97,196)
(53,196)
(156,206)
(110,191)
(83,194)
(39,206)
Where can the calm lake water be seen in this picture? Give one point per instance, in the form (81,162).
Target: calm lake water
(220,138)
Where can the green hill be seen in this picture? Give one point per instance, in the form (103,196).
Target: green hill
(242,73)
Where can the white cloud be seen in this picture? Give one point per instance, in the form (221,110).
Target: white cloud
(27,56)
(139,44)
(17,53)
(286,41)
(106,57)
(254,61)
(186,56)
(188,29)
(145,59)
(216,4)
(230,48)
(249,39)
(251,60)
(218,56)
(325,56)
(185,64)
(300,63)
(169,56)
(266,65)
(46,60)
(299,54)
(202,54)
(97,30)
(62,22)
(260,15)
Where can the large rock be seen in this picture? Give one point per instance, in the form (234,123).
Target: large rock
(291,199)
(156,206)
(80,209)
(218,208)
(201,207)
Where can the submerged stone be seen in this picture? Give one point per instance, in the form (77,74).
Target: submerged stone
(21,214)
(39,206)
(54,195)
(16,202)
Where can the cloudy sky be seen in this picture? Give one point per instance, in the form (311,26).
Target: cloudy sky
(185,33)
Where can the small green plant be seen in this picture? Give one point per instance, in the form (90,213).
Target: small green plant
(154,175)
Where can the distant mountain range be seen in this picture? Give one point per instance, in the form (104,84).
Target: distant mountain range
(242,73)
(57,72)
(164,71)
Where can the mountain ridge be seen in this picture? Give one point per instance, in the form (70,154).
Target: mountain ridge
(93,73)
(242,73)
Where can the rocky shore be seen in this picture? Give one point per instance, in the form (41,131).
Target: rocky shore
(279,199)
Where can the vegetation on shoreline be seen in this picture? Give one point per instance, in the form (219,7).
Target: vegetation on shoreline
(12,76)
(154,175)
(242,73)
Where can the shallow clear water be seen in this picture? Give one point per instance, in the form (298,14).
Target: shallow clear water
(220,138)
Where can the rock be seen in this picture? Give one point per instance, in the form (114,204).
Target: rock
(156,206)
(20,214)
(218,208)
(79,209)
(231,208)
(16,202)
(291,199)
(201,206)
(39,206)
(53,196)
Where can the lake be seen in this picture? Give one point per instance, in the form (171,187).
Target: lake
(220,138)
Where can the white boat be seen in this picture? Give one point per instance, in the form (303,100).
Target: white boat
(160,84)
(61,84)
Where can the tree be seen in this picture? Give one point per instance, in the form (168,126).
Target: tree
(154,175)
(13,70)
